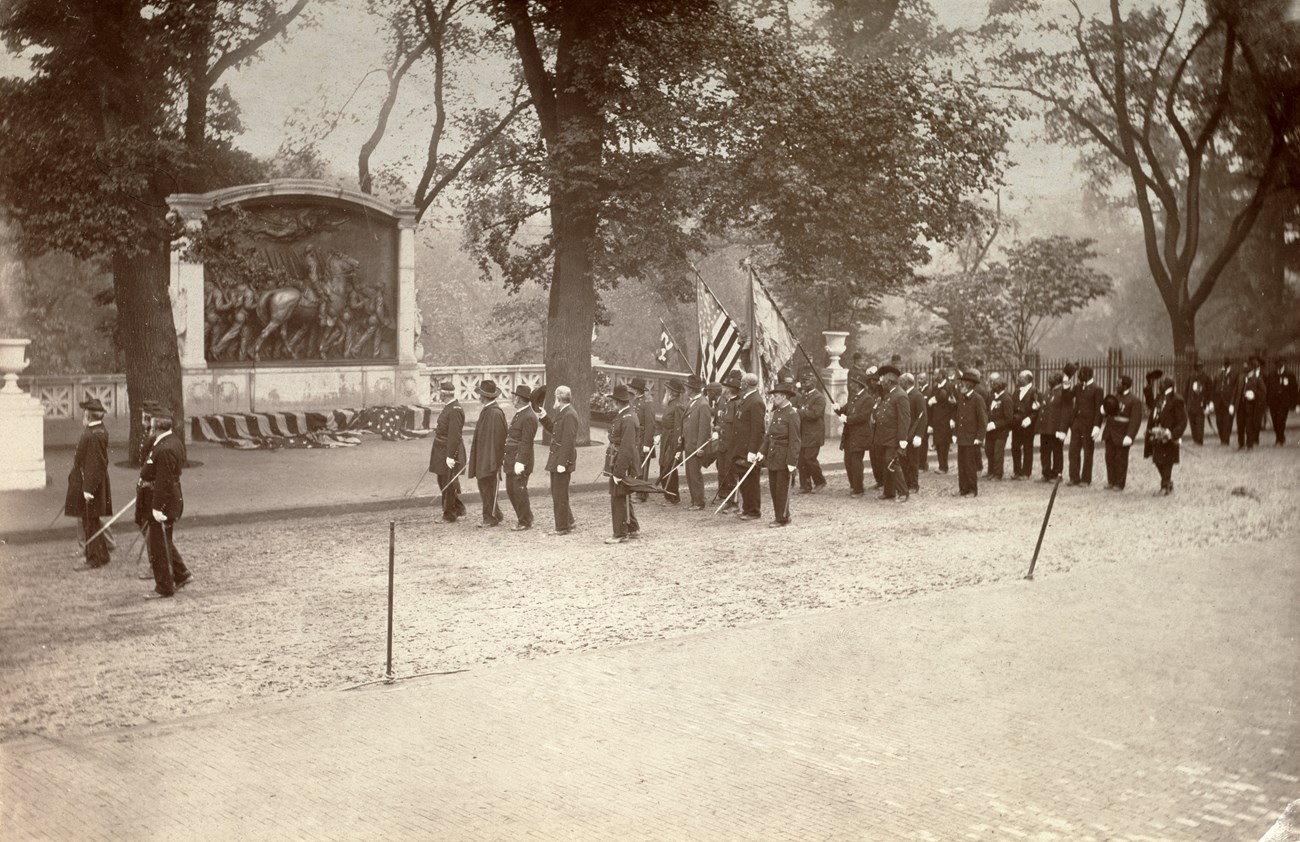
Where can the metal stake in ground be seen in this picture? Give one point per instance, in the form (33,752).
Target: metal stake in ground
(1041,532)
(392,545)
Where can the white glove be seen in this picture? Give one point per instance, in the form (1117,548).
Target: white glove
(1060,436)
(1128,440)
(159,516)
(902,445)
(990,426)
(1232,410)
(645,448)
(835,407)
(451,463)
(916,441)
(714,437)
(1196,387)
(979,442)
(1209,407)
(1096,433)
(88,496)
(751,457)
(954,439)
(933,401)
(1250,394)
(519,469)
(758,457)
(1026,423)
(559,469)
(929,429)
(1036,406)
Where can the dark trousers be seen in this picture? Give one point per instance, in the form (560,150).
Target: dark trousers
(1279,414)
(1049,453)
(968,468)
(1166,469)
(1022,452)
(560,500)
(895,479)
(1196,421)
(1081,448)
(997,452)
(621,513)
(912,466)
(853,467)
(779,481)
(810,470)
(878,463)
(726,476)
(644,473)
(942,442)
(1116,464)
(487,490)
(751,493)
(1224,419)
(517,492)
(923,458)
(669,482)
(695,480)
(96,550)
(1249,419)
(168,566)
(452,507)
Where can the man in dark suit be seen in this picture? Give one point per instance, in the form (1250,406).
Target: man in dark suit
(518,457)
(1251,398)
(163,471)
(1121,429)
(968,433)
(670,442)
(644,410)
(447,456)
(940,409)
(1168,421)
(747,442)
(856,437)
(622,461)
(1049,421)
(1225,398)
(811,405)
(926,389)
(915,433)
(725,412)
(487,451)
(780,451)
(90,495)
(892,423)
(1085,427)
(1281,399)
(1151,391)
(1197,396)
(1024,417)
(697,432)
(563,427)
(1001,417)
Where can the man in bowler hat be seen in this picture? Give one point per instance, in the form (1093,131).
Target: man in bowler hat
(487,451)
(163,472)
(621,462)
(563,427)
(90,496)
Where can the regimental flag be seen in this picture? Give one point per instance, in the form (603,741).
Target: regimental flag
(719,339)
(776,343)
(665,346)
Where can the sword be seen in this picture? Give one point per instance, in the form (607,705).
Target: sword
(453,478)
(727,499)
(646,461)
(697,450)
(111,520)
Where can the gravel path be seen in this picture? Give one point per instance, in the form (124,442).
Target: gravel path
(283,609)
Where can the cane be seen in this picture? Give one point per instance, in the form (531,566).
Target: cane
(111,521)
(697,450)
(727,499)
(646,461)
(1051,501)
(453,478)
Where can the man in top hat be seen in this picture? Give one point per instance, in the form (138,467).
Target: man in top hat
(670,441)
(1002,416)
(856,436)
(1051,423)
(563,426)
(780,451)
(1197,397)
(697,432)
(811,405)
(1281,399)
(622,461)
(912,454)
(518,456)
(940,408)
(447,456)
(644,410)
(1121,429)
(725,421)
(163,471)
(1225,396)
(1251,398)
(968,433)
(487,451)
(90,495)
(892,423)
(1168,421)
(1085,427)
(747,443)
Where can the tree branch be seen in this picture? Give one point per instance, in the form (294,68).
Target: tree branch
(423,202)
(540,85)
(245,51)
(395,75)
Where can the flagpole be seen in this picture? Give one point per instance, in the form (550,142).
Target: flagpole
(677,345)
(755,358)
(797,343)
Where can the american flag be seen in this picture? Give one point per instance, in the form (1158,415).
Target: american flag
(719,339)
(776,343)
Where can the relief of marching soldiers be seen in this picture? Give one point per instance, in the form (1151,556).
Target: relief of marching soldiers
(891,420)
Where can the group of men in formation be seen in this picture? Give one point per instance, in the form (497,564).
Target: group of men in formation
(891,420)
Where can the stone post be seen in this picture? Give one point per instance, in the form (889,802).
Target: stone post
(836,377)
(410,385)
(22,424)
(187,284)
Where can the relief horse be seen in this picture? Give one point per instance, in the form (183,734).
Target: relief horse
(285,308)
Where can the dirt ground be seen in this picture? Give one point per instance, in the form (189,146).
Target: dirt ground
(287,608)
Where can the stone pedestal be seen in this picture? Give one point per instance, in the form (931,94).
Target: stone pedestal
(836,377)
(22,427)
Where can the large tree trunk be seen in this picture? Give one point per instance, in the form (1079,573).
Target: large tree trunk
(146,335)
(572,308)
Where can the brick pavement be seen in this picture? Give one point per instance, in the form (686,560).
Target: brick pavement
(1152,699)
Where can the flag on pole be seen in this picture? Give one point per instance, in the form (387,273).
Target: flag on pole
(719,339)
(665,346)
(776,343)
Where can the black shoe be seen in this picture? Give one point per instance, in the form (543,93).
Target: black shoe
(180,583)
(776,524)
(805,491)
(904,498)
(887,497)
(445,519)
(156,595)
(819,486)
(694,508)
(617,539)
(748,516)
(487,524)
(559,532)
(520,527)
(856,493)
(632,535)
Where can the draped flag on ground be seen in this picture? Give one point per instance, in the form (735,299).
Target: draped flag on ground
(719,339)
(777,346)
(328,428)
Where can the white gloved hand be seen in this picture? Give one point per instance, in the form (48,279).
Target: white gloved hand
(954,439)
(1250,394)
(159,516)
(88,496)
(1209,407)
(559,469)
(990,426)
(902,445)
(1060,436)
(792,468)
(1232,410)
(451,463)
(916,441)
(929,430)
(1196,386)
(645,448)
(1025,423)
(751,457)
(1096,433)
(933,401)
(714,437)
(758,457)
(979,442)
(1128,440)
(519,468)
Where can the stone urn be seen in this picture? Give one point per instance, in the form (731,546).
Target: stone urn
(13,359)
(836,340)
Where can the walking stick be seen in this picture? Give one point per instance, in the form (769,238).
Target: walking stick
(646,461)
(453,478)
(110,523)
(58,514)
(417,484)
(697,450)
(1043,531)
(727,499)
